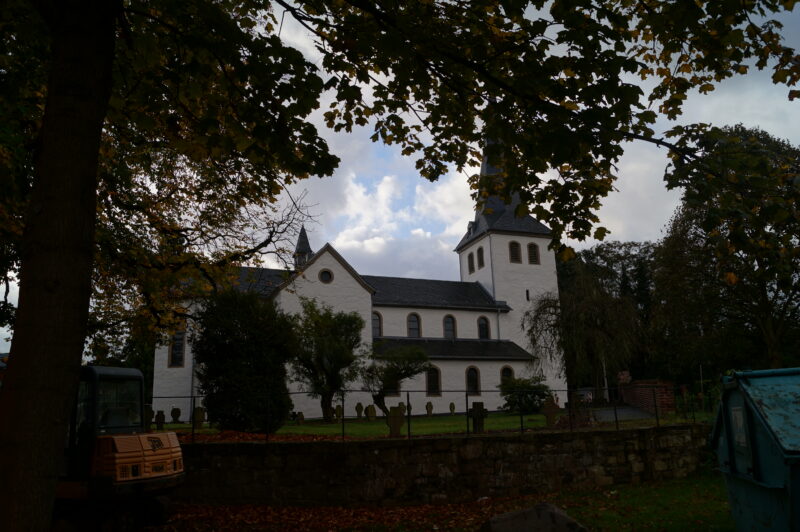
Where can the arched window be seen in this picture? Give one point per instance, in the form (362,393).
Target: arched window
(506,373)
(377,325)
(533,254)
(473,381)
(483,328)
(413,325)
(449,326)
(433,381)
(471,263)
(514,252)
(480,258)
(177,349)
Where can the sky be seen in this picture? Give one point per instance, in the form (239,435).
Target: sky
(385,219)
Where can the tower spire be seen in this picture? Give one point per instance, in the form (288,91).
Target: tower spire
(302,252)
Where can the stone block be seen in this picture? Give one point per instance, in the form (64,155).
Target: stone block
(471,450)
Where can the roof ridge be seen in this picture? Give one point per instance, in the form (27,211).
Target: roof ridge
(418,279)
(264,268)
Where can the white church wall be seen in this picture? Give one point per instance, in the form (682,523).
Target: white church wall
(344,293)
(518,284)
(172,386)
(432,321)
(453,389)
(483,275)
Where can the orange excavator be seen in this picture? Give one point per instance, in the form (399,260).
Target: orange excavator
(110,457)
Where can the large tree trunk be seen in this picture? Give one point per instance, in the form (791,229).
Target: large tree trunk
(55,276)
(380,401)
(326,403)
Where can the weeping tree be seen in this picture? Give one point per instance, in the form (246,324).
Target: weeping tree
(387,368)
(596,330)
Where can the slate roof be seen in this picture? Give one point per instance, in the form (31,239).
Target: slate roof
(262,280)
(303,247)
(496,215)
(459,349)
(403,292)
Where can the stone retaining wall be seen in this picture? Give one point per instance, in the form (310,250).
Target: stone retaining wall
(389,472)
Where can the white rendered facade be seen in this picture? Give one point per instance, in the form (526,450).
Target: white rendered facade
(507,291)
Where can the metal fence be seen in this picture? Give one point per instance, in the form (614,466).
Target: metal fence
(567,410)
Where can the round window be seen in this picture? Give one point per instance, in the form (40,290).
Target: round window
(326,276)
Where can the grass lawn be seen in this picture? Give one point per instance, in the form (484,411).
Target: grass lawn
(441,424)
(420,425)
(695,503)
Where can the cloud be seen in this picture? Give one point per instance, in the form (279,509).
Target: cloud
(641,204)
(417,255)
(447,201)
(368,218)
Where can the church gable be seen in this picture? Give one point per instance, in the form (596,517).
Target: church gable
(330,280)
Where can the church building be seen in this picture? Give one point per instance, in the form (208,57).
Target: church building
(471,329)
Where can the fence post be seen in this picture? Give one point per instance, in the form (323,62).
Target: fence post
(691,403)
(408,413)
(466,410)
(343,392)
(191,415)
(266,428)
(569,409)
(616,417)
(655,405)
(521,422)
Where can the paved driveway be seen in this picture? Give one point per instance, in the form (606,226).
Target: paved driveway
(624,413)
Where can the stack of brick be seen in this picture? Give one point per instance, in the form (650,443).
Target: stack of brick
(649,394)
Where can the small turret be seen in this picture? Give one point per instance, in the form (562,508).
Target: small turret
(302,252)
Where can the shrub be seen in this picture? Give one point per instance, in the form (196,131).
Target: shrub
(241,346)
(524,396)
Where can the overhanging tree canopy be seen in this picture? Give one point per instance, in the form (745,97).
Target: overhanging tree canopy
(126,125)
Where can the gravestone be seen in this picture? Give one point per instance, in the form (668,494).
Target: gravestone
(550,411)
(395,421)
(452,409)
(339,411)
(160,419)
(198,417)
(478,414)
(148,417)
(330,413)
(176,414)
(300,418)
(359,410)
(370,412)
(429,408)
